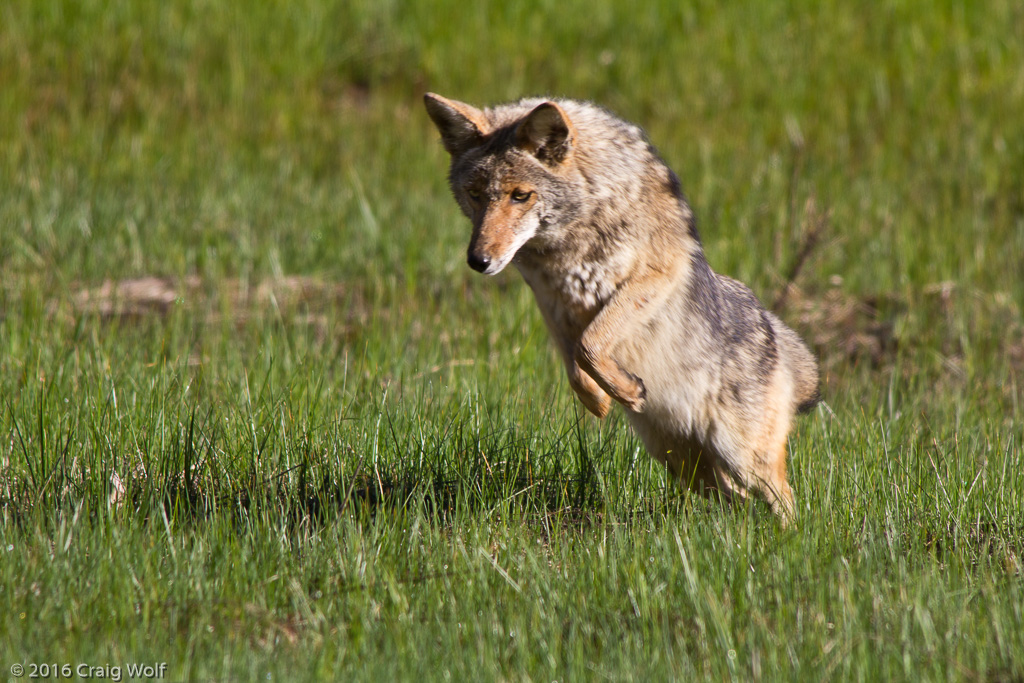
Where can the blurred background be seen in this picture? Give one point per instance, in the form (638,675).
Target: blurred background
(194,165)
(213,140)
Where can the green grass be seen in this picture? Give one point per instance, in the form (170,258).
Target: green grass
(319,446)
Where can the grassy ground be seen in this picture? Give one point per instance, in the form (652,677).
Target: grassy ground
(257,418)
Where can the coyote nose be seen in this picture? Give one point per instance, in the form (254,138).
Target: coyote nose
(478,262)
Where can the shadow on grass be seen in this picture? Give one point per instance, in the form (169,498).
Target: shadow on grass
(496,475)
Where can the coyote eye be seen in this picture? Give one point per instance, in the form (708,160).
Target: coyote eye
(519,196)
(474,195)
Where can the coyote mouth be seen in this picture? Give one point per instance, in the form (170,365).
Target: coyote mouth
(486,265)
(486,261)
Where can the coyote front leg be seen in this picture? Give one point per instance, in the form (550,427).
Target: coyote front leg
(591,395)
(632,306)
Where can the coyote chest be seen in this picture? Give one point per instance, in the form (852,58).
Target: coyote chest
(573,293)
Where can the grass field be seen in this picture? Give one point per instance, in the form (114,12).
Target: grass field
(258,419)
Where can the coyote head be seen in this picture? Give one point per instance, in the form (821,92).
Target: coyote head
(509,174)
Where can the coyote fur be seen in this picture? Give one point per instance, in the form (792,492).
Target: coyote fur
(580,202)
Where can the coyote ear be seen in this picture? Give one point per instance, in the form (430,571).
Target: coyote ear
(461,126)
(547,133)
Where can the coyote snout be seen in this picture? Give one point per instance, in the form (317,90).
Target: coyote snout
(598,226)
(504,225)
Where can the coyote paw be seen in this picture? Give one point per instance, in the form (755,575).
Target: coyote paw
(613,379)
(638,400)
(598,405)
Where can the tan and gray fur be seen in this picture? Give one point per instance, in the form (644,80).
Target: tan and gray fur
(581,203)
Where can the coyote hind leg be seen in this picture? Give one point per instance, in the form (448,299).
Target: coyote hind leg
(772,484)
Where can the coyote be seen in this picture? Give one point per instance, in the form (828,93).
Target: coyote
(581,203)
